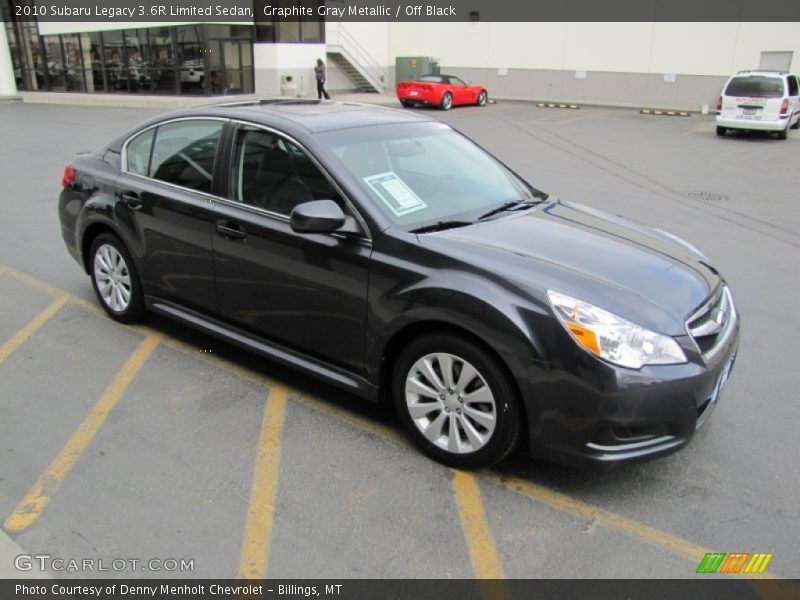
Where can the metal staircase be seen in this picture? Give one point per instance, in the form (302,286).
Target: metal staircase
(359,66)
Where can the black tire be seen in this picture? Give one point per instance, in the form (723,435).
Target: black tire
(782,135)
(483,98)
(407,103)
(721,131)
(446,103)
(134,309)
(506,410)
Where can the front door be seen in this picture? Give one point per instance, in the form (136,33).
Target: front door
(304,291)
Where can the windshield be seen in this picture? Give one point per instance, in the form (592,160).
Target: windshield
(755,86)
(424,173)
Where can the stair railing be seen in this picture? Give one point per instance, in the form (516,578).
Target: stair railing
(337,35)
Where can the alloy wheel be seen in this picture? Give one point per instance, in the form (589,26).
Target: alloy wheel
(450,403)
(113,278)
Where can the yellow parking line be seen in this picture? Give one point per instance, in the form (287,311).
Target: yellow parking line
(477,533)
(261,512)
(562,502)
(23,334)
(601,516)
(39,495)
(49,289)
(32,281)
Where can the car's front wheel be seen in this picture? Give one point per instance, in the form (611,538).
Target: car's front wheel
(456,400)
(114,279)
(483,97)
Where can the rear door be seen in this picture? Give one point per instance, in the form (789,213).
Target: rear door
(166,191)
(304,291)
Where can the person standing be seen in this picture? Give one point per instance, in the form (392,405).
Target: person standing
(319,72)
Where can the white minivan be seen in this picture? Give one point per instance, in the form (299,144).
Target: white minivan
(760,101)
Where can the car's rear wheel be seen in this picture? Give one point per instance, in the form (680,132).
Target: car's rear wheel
(446,103)
(783,134)
(483,97)
(721,130)
(115,280)
(407,103)
(456,400)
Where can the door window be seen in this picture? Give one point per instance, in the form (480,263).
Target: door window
(138,152)
(792,85)
(184,153)
(272,173)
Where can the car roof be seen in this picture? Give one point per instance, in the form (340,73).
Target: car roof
(312,115)
(295,117)
(763,73)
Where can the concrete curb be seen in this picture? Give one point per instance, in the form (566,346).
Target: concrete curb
(144,101)
(9,550)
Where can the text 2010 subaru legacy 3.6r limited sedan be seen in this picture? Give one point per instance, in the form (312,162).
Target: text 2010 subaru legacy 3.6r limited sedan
(389,255)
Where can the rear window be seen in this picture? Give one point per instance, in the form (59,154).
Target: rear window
(184,152)
(755,86)
(432,78)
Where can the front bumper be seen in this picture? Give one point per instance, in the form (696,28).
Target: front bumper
(595,413)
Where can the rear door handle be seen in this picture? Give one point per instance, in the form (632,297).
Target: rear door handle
(132,201)
(230,231)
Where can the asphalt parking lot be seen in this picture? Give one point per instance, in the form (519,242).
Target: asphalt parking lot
(155,442)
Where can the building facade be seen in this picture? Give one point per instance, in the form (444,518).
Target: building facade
(670,65)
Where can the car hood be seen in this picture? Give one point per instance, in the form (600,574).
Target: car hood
(634,271)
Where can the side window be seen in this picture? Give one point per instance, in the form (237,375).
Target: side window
(184,153)
(457,81)
(138,152)
(272,173)
(792,85)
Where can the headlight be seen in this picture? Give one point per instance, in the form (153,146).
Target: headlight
(613,338)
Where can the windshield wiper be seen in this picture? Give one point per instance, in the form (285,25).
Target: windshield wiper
(512,205)
(440,225)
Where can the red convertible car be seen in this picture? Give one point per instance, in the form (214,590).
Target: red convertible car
(444,91)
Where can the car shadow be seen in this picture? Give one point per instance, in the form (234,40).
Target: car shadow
(518,464)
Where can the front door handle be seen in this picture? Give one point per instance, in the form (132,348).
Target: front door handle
(230,231)
(132,201)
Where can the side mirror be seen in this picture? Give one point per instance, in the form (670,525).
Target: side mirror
(317,216)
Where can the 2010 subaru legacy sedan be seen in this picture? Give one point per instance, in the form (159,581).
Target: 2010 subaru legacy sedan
(389,255)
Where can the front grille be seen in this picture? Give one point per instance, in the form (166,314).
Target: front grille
(710,325)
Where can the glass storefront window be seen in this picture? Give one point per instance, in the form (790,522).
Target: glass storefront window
(305,29)
(136,56)
(161,60)
(92,45)
(155,60)
(56,69)
(114,61)
(192,75)
(73,68)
